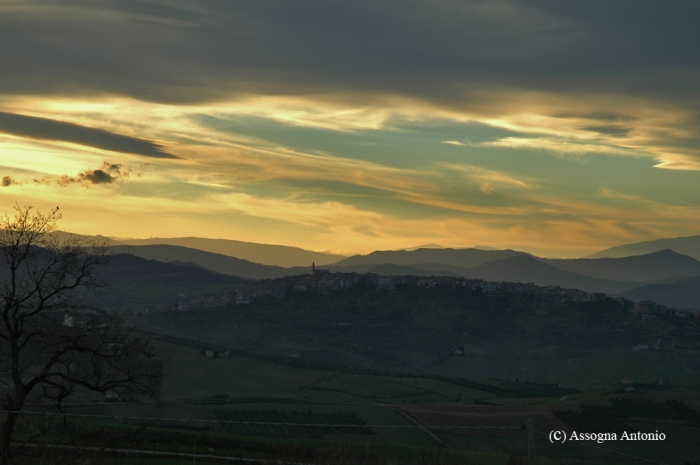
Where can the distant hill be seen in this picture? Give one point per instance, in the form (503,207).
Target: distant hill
(418,269)
(335,269)
(423,246)
(441,267)
(389,269)
(134,282)
(652,267)
(63,235)
(212,261)
(449,331)
(527,269)
(463,258)
(132,268)
(181,263)
(266,254)
(684,245)
(684,293)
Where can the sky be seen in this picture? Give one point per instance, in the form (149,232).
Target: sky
(557,128)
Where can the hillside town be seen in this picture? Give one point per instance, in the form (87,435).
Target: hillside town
(325,280)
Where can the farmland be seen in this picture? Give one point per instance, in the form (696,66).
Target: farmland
(226,404)
(251,382)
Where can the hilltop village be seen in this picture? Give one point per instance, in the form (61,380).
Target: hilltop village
(325,280)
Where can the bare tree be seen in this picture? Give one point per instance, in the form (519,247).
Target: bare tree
(47,355)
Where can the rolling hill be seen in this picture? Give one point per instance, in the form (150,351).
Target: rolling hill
(450,331)
(439,268)
(135,281)
(463,258)
(656,266)
(592,275)
(266,254)
(528,269)
(389,269)
(132,268)
(684,293)
(684,245)
(417,269)
(610,275)
(212,261)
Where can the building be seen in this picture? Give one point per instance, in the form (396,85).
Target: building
(318,273)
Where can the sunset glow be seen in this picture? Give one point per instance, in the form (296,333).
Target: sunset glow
(349,127)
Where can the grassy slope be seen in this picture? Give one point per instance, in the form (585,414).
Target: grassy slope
(418,331)
(135,282)
(252,384)
(189,376)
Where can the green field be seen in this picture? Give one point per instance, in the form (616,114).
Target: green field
(189,376)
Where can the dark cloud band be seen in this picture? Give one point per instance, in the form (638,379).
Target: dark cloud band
(42,128)
(198,52)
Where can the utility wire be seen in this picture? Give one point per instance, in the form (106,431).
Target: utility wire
(116,417)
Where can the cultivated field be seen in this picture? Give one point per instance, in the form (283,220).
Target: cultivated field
(493,416)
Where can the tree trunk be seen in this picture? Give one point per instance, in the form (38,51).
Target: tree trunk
(8,426)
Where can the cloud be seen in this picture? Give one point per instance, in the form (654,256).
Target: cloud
(611,130)
(7,181)
(456,187)
(108,173)
(141,76)
(197,53)
(520,64)
(44,128)
(214,51)
(365,230)
(563,147)
(488,179)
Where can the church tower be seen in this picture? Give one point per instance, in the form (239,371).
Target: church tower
(313,269)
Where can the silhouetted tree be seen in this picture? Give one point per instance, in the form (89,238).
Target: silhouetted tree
(46,354)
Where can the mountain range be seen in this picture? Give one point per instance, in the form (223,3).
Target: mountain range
(134,282)
(608,275)
(213,261)
(527,269)
(666,276)
(684,293)
(265,254)
(689,246)
(653,266)
(464,258)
